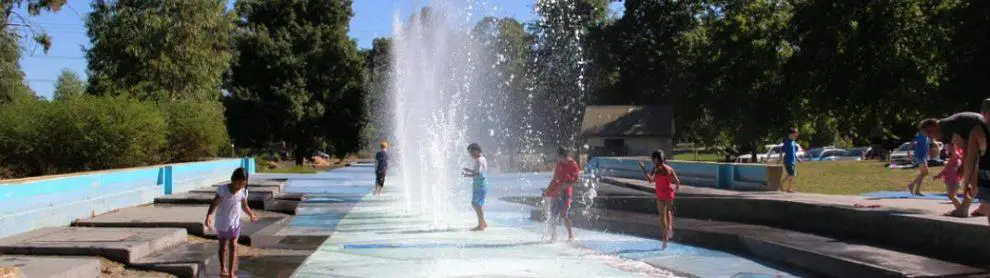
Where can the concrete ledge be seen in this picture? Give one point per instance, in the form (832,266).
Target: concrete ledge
(189,218)
(937,238)
(264,192)
(124,245)
(186,260)
(815,253)
(282,206)
(279,184)
(255,201)
(708,174)
(50,267)
(63,214)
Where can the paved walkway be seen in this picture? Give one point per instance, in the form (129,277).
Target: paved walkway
(378,237)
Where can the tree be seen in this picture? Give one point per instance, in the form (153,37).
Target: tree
(747,51)
(298,77)
(966,49)
(870,64)
(559,65)
(12,86)
(68,86)
(159,50)
(378,65)
(504,100)
(655,46)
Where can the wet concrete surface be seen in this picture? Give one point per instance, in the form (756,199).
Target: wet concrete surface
(379,236)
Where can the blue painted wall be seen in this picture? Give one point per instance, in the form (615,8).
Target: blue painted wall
(704,174)
(57,201)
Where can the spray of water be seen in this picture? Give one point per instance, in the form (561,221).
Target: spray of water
(450,85)
(432,66)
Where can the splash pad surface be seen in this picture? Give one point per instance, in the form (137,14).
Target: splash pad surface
(376,236)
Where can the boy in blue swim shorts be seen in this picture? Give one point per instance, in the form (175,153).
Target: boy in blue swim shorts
(479,183)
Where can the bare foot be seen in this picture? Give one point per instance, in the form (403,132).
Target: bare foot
(571,239)
(480,228)
(224,272)
(790,191)
(664,245)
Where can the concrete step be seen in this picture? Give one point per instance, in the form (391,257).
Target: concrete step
(188,217)
(49,267)
(945,238)
(282,205)
(124,245)
(185,260)
(819,254)
(277,184)
(251,191)
(255,200)
(290,196)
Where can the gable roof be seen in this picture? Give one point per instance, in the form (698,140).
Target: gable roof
(628,120)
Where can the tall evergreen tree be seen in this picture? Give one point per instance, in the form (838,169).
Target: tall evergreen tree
(298,77)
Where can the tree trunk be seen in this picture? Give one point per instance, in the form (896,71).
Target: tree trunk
(299,153)
(753,152)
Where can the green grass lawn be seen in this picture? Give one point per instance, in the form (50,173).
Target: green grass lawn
(857,177)
(697,157)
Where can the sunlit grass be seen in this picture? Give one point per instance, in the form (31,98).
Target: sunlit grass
(857,177)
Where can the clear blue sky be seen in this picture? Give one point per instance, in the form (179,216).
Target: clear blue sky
(372,18)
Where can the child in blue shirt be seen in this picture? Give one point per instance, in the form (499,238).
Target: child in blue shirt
(920,147)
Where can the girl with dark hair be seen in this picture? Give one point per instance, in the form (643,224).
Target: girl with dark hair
(664,177)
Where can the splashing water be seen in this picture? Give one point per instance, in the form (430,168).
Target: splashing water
(430,81)
(449,87)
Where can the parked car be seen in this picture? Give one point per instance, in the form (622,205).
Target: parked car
(775,153)
(830,155)
(904,153)
(855,154)
(815,154)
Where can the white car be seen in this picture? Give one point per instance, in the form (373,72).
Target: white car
(776,153)
(903,154)
(829,155)
(855,154)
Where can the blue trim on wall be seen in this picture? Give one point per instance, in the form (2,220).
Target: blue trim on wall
(57,201)
(704,174)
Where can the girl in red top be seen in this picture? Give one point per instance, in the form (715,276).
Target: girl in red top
(664,177)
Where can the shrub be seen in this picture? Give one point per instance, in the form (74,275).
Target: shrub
(195,130)
(84,133)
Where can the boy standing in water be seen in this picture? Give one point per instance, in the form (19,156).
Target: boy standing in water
(230,200)
(561,190)
(664,177)
(381,166)
(479,177)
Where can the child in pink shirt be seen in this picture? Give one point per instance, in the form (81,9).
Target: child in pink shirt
(950,175)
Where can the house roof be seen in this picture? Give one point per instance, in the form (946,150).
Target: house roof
(628,121)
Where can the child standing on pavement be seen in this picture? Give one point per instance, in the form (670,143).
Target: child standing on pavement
(479,176)
(230,200)
(664,177)
(921,146)
(950,175)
